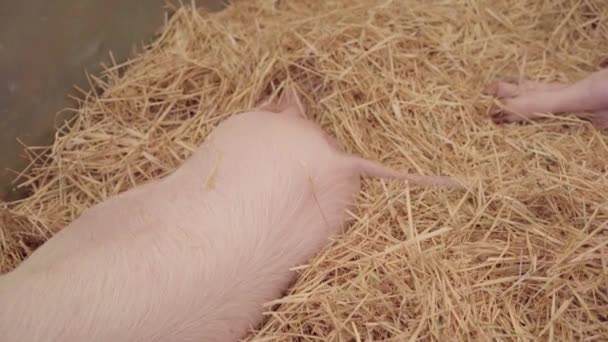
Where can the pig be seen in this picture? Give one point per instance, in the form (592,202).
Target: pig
(527,101)
(195,255)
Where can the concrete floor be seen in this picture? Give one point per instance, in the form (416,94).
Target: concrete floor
(45,48)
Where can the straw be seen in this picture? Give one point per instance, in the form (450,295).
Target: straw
(521,256)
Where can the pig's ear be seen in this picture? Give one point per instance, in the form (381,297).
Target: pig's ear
(268,105)
(289,102)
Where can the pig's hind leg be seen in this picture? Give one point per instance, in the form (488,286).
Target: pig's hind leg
(528,100)
(511,88)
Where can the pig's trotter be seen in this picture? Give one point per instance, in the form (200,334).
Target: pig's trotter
(511,110)
(503,89)
(526,101)
(500,117)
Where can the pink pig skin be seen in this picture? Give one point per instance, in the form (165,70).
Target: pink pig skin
(193,256)
(527,100)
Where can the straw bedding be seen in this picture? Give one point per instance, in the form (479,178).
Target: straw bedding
(521,255)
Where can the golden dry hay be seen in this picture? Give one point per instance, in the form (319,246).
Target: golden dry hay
(522,256)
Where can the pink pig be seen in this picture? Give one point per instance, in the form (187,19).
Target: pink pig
(194,256)
(526,101)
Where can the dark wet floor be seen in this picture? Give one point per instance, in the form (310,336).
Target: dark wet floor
(45,48)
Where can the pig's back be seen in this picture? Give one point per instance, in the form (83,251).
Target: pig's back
(117,217)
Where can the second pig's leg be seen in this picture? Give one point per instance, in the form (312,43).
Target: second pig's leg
(528,101)
(503,89)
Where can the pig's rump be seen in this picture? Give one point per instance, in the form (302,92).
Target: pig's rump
(183,259)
